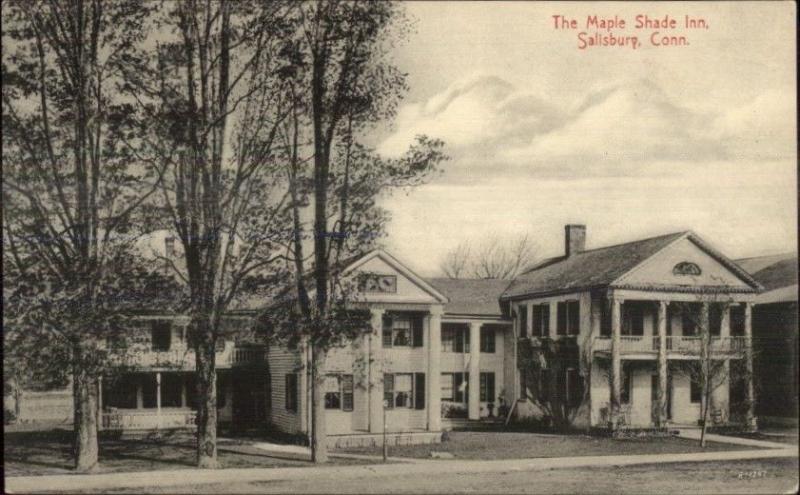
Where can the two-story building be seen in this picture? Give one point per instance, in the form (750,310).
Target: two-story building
(618,325)
(436,355)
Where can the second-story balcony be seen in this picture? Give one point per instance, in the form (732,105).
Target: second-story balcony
(183,357)
(646,347)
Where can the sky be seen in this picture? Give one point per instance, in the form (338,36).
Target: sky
(630,142)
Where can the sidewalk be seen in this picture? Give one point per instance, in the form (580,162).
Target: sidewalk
(71,483)
(694,434)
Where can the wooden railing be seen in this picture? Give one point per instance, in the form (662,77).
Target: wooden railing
(675,344)
(184,357)
(147,419)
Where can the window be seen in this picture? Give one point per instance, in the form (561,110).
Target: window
(291,392)
(446,384)
(541,320)
(487,340)
(149,400)
(737,320)
(487,387)
(686,268)
(523,321)
(715,319)
(456,385)
(333,392)
(605,318)
(568,322)
(347,392)
(398,390)
(695,390)
(172,389)
(626,387)
(633,323)
(339,392)
(160,335)
(402,331)
(688,323)
(455,338)
(573,387)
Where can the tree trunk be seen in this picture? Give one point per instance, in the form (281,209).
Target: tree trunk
(319,447)
(85,422)
(205,353)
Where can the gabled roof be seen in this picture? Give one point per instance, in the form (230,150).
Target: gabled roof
(471,296)
(778,275)
(400,267)
(601,267)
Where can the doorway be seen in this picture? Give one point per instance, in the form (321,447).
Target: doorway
(654,397)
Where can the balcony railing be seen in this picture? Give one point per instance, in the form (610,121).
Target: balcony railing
(184,358)
(677,345)
(147,419)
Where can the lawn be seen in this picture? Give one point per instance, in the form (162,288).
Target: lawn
(787,436)
(750,476)
(33,453)
(506,445)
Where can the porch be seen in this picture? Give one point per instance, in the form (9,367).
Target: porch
(155,401)
(182,357)
(677,347)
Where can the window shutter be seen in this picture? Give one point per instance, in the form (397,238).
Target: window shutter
(291,392)
(490,387)
(546,319)
(416,330)
(347,392)
(574,317)
(419,390)
(388,390)
(561,323)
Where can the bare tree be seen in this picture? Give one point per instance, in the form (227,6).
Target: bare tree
(493,257)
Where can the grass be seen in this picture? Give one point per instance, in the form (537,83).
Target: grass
(787,436)
(505,445)
(750,476)
(33,453)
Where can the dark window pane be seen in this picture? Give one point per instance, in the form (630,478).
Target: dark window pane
(161,335)
(171,390)
(416,331)
(574,319)
(149,391)
(523,321)
(696,391)
(487,340)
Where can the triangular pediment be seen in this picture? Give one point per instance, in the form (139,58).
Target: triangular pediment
(387,280)
(687,262)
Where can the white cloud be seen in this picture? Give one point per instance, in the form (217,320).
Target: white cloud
(618,129)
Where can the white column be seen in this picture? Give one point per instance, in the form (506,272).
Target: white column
(434,369)
(725,322)
(529,320)
(662,364)
(158,400)
(375,373)
(553,330)
(474,404)
(748,359)
(616,361)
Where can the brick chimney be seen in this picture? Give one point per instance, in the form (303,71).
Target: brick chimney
(574,239)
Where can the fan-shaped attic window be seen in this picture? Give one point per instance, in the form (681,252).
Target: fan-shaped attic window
(686,268)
